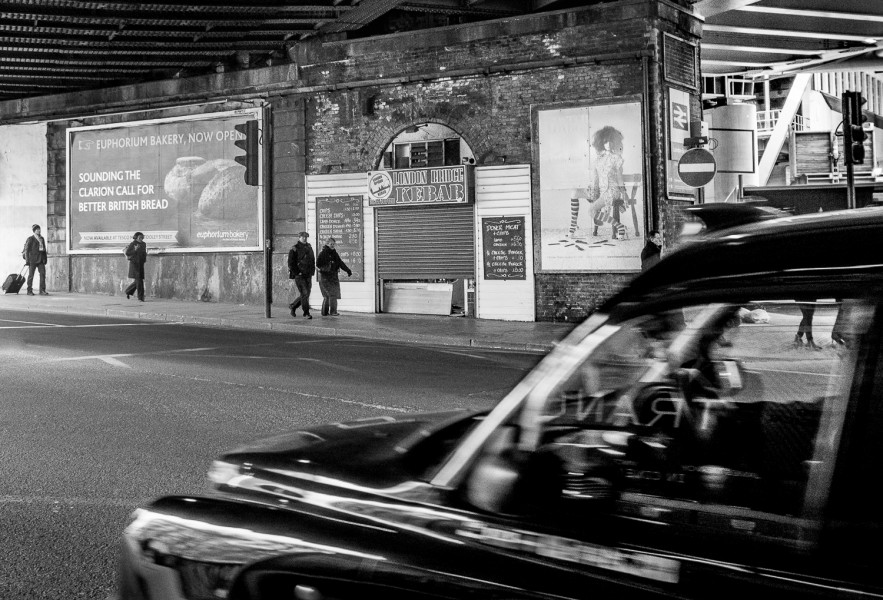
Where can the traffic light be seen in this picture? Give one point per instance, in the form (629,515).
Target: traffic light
(854,135)
(248,141)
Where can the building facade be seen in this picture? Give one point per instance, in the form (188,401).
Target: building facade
(529,158)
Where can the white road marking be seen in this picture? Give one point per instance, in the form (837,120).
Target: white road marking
(47,325)
(277,390)
(103,357)
(464,353)
(112,361)
(28,323)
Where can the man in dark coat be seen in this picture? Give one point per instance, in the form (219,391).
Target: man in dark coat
(301,267)
(136,252)
(34,254)
(651,253)
(329,263)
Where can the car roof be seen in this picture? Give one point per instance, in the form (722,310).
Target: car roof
(824,244)
(724,215)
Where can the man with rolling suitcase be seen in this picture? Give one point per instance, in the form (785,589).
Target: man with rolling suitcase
(34,255)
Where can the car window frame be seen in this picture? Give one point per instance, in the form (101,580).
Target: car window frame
(570,351)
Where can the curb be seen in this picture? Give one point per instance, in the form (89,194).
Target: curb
(286,327)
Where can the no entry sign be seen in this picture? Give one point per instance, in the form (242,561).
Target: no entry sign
(697,167)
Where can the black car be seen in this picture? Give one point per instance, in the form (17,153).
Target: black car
(713,431)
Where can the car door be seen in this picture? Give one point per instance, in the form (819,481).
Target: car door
(688,449)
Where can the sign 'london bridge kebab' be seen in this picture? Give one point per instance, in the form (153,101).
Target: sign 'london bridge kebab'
(433,185)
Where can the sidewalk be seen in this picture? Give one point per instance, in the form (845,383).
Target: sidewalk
(425,329)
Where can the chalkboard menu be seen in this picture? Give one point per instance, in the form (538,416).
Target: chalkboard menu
(503,242)
(340,217)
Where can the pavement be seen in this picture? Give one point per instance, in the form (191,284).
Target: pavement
(423,329)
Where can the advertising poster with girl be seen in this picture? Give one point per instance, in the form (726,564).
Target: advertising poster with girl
(591,166)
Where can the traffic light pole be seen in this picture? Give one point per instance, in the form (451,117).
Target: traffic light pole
(267,183)
(846,105)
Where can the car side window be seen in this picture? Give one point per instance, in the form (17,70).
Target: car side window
(706,407)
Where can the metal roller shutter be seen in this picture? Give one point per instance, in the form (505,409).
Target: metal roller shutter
(429,242)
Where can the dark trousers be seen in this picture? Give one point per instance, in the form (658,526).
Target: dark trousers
(39,267)
(304,287)
(329,306)
(139,287)
(805,327)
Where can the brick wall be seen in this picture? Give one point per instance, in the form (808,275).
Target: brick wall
(343,101)
(499,72)
(568,297)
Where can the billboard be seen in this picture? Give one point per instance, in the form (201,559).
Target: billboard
(175,180)
(591,184)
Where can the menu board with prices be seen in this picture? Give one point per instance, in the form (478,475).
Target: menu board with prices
(340,217)
(503,243)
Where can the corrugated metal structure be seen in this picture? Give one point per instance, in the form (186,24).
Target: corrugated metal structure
(57,46)
(426,242)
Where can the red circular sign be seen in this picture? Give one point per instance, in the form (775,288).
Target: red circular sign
(697,167)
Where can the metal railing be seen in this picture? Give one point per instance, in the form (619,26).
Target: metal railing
(767,119)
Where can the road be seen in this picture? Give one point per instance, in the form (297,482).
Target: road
(98,415)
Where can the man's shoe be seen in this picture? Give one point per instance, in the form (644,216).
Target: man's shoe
(44,293)
(334,314)
(308,316)
(30,293)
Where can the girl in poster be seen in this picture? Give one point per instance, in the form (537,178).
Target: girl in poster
(591,156)
(607,193)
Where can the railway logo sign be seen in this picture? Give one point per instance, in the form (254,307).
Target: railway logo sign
(697,167)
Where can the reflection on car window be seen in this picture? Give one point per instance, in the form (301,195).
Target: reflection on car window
(712,405)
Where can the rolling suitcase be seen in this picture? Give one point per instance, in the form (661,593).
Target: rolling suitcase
(14,282)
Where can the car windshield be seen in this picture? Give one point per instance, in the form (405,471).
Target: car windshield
(716,401)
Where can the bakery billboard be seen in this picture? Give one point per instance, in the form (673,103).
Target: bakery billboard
(175,180)
(429,185)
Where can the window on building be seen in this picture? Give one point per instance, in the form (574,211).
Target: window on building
(426,145)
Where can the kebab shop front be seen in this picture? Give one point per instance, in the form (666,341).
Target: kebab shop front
(452,240)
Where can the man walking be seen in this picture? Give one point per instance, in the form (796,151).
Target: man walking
(34,254)
(301,268)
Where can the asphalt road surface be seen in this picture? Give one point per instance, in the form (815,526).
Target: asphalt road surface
(98,416)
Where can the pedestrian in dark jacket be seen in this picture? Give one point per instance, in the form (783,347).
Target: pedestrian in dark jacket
(301,267)
(651,253)
(136,252)
(34,255)
(329,264)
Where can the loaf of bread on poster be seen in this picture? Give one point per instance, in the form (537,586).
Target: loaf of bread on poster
(215,187)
